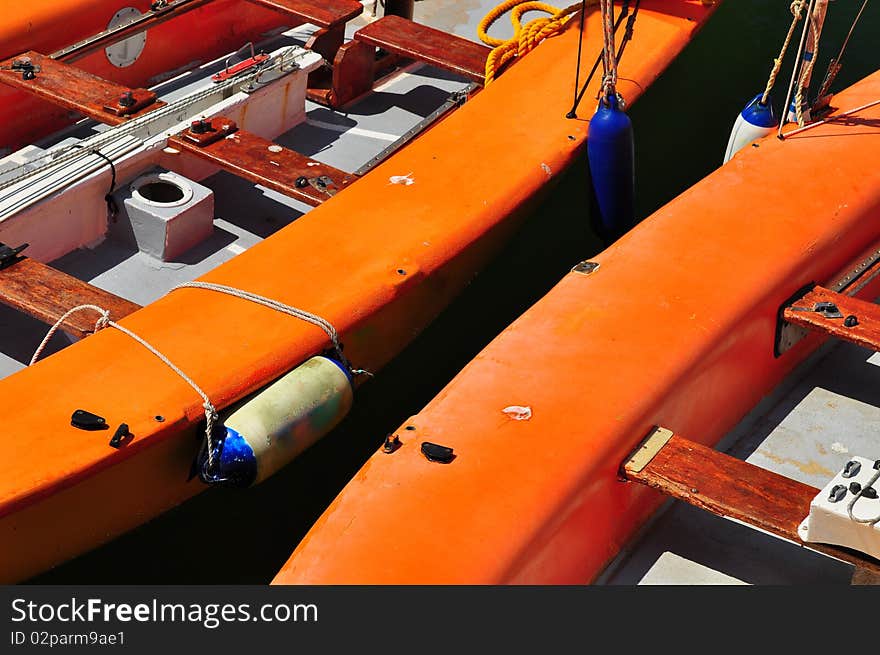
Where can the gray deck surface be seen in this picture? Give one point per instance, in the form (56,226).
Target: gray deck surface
(806,430)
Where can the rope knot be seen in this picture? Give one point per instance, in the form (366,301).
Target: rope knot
(103,321)
(211,414)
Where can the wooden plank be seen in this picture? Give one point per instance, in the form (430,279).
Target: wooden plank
(323,13)
(866,330)
(47,293)
(262,162)
(732,488)
(75,89)
(441,49)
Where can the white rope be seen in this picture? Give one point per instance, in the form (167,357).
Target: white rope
(301,314)
(210,411)
(849,508)
(104,321)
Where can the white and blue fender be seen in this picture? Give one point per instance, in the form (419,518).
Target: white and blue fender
(755,121)
(275,425)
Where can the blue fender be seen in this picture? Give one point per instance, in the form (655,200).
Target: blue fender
(611,155)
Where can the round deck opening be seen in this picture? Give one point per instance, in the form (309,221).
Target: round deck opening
(162,191)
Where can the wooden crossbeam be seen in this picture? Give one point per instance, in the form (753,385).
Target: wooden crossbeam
(261,161)
(75,89)
(47,293)
(730,487)
(858,323)
(422,43)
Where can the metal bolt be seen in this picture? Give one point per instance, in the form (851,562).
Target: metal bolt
(301,182)
(127,99)
(850,321)
(392,443)
(159,418)
(199,126)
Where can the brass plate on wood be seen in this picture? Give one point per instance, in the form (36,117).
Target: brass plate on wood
(656,439)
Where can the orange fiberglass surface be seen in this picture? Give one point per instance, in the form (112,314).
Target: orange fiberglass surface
(676,327)
(379,261)
(48,26)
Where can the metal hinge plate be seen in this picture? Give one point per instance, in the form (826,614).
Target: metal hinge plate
(656,439)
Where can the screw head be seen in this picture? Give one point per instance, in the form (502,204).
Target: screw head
(199,126)
(126,99)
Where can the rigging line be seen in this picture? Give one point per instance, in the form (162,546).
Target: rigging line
(628,32)
(831,119)
(817,21)
(834,65)
(577,71)
(795,73)
(609,61)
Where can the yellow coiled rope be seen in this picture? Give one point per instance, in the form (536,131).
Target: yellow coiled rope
(525,37)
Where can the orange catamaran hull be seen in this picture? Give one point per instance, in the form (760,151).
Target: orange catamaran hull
(378,260)
(675,328)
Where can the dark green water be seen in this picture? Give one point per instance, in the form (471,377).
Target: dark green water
(681,123)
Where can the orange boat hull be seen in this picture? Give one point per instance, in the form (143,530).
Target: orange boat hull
(49,25)
(675,328)
(379,261)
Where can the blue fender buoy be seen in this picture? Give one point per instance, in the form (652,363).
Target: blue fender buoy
(611,155)
(753,122)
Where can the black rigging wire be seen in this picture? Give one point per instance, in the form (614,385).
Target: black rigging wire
(577,71)
(627,36)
